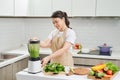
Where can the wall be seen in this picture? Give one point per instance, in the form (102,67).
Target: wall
(91,32)
(37,27)
(11,33)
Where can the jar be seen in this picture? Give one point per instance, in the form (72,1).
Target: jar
(33,48)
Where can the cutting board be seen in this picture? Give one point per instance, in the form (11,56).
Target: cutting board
(116,76)
(51,73)
(77,71)
(93,78)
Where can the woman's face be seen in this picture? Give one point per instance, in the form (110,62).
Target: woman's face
(58,23)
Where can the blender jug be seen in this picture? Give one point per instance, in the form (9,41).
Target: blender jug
(33,48)
(34,64)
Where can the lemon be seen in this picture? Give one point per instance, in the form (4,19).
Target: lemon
(80,46)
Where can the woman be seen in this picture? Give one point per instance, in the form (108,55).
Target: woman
(60,41)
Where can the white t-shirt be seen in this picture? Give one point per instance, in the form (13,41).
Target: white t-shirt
(70,35)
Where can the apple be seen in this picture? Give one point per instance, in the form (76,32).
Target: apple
(77,46)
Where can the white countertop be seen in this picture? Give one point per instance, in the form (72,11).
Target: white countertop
(24,51)
(24,75)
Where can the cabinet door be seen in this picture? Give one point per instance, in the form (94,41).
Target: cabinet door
(108,8)
(18,66)
(92,61)
(33,8)
(6,7)
(21,7)
(118,63)
(83,7)
(6,73)
(63,5)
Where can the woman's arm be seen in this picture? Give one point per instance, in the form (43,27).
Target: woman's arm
(58,53)
(45,44)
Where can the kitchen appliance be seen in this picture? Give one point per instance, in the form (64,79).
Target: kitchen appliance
(34,63)
(105,50)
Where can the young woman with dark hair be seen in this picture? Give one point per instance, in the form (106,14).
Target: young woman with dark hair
(60,41)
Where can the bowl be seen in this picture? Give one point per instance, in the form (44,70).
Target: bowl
(85,50)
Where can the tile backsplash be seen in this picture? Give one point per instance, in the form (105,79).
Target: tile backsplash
(11,33)
(90,32)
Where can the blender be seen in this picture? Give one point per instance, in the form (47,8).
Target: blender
(34,63)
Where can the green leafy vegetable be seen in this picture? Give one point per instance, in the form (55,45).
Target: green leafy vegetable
(91,73)
(54,67)
(99,75)
(112,67)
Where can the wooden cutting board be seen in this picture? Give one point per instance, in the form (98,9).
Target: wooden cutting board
(93,78)
(51,73)
(77,71)
(81,71)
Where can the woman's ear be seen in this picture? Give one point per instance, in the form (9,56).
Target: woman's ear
(63,19)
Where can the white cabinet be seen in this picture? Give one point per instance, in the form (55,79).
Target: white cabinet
(21,7)
(108,8)
(6,7)
(83,7)
(39,8)
(44,8)
(63,5)
(33,8)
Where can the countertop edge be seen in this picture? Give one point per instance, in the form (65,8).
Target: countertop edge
(24,52)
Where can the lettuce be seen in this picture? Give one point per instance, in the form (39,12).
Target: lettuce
(112,67)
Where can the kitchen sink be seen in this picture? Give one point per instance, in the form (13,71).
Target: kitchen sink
(8,56)
(2,60)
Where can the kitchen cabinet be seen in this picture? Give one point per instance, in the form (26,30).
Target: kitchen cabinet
(18,66)
(108,8)
(64,5)
(39,8)
(93,61)
(21,7)
(33,8)
(44,8)
(6,73)
(86,61)
(118,63)
(95,8)
(9,72)
(6,7)
(83,7)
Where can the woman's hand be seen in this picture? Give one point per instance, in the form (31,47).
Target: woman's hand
(45,60)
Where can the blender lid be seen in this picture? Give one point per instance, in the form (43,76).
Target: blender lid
(34,41)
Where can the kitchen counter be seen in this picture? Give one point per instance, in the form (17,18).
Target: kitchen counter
(10,61)
(24,51)
(24,75)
